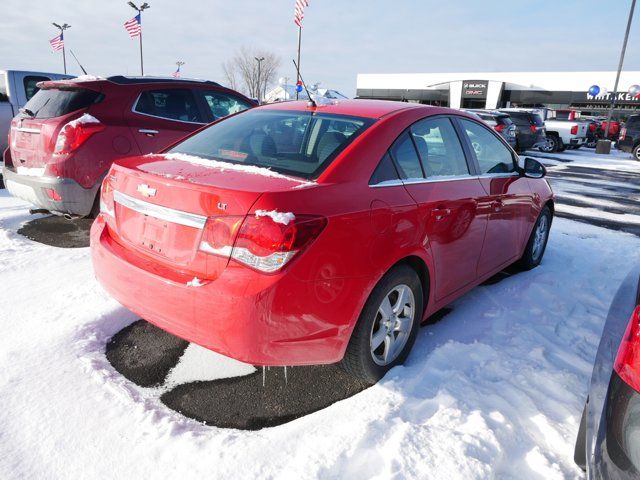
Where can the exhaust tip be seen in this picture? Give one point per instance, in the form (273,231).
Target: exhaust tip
(37,211)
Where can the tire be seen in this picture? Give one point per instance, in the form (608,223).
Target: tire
(636,152)
(551,146)
(537,244)
(577,147)
(561,146)
(580,451)
(366,363)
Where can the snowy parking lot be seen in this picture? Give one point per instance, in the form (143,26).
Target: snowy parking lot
(493,389)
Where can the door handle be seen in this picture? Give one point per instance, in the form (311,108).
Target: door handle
(440,213)
(147,132)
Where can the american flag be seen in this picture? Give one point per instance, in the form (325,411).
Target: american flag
(134,26)
(57,43)
(299,11)
(176,74)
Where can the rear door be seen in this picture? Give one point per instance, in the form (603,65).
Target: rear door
(431,160)
(507,197)
(161,116)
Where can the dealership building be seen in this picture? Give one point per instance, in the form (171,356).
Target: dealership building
(505,89)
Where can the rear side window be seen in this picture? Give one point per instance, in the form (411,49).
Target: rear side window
(300,143)
(404,153)
(222,104)
(493,156)
(384,172)
(54,102)
(30,83)
(172,104)
(439,148)
(537,120)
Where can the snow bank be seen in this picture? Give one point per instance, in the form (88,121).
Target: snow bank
(278,217)
(252,169)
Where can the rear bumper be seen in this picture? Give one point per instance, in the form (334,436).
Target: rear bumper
(76,200)
(578,141)
(254,318)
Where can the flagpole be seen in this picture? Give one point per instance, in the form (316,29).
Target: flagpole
(141,57)
(298,67)
(64,58)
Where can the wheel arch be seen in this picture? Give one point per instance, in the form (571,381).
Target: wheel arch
(420,267)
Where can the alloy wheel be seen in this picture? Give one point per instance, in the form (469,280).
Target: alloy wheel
(540,237)
(392,325)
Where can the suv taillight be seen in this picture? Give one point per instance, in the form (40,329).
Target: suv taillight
(106,196)
(574,130)
(500,127)
(592,127)
(533,128)
(260,242)
(627,363)
(623,133)
(75,133)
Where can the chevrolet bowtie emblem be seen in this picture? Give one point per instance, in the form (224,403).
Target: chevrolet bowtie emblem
(146,190)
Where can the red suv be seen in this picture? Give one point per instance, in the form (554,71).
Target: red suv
(292,234)
(66,137)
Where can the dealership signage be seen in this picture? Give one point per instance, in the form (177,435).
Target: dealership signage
(474,89)
(620,97)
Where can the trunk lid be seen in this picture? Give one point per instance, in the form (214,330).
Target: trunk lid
(161,207)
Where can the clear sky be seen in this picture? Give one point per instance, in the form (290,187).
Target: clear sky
(340,38)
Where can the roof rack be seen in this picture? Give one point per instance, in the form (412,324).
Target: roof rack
(122,80)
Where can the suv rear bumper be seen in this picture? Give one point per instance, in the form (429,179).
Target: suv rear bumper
(76,200)
(578,141)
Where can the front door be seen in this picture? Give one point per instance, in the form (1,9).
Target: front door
(507,197)
(432,163)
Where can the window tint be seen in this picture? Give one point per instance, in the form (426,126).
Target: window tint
(52,102)
(173,104)
(634,121)
(520,118)
(385,171)
(536,119)
(439,148)
(30,82)
(493,156)
(406,158)
(222,104)
(301,143)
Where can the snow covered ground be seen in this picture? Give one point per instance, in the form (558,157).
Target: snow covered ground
(493,390)
(604,189)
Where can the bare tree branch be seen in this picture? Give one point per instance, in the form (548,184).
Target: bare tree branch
(241,71)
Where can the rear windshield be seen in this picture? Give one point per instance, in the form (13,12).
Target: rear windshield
(290,142)
(633,121)
(53,102)
(537,120)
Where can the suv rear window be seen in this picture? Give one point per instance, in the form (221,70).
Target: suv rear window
(54,102)
(537,120)
(290,142)
(633,121)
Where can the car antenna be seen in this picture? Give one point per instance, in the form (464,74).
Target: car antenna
(81,67)
(312,102)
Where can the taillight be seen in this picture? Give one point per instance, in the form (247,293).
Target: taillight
(500,128)
(627,363)
(623,133)
(266,243)
(106,196)
(533,128)
(574,130)
(75,133)
(592,127)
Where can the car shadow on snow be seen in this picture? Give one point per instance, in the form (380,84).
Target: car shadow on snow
(57,231)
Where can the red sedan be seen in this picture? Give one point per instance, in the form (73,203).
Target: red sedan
(296,234)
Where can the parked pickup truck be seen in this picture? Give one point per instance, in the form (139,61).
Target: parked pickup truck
(563,134)
(16,89)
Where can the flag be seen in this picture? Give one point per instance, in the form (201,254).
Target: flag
(57,43)
(134,26)
(176,74)
(299,11)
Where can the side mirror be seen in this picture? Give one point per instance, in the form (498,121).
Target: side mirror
(533,168)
